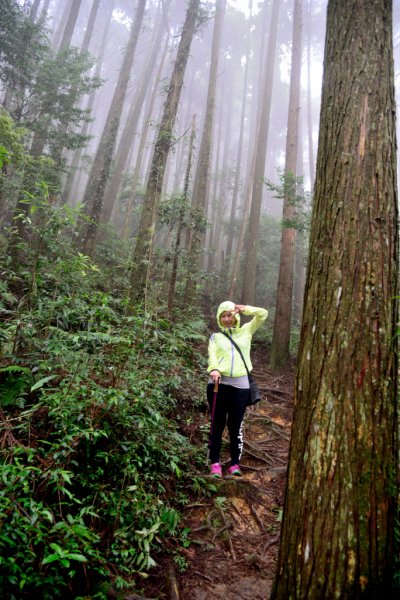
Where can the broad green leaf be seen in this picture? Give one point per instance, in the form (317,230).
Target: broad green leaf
(41,382)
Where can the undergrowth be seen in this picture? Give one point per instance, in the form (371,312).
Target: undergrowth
(96,464)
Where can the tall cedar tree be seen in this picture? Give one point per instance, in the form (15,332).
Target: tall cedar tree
(260,149)
(142,251)
(284,293)
(338,523)
(100,171)
(202,176)
(238,169)
(71,186)
(129,131)
(133,187)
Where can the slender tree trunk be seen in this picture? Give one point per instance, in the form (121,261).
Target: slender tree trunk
(299,283)
(58,32)
(201,181)
(218,241)
(22,207)
(181,220)
(142,143)
(70,25)
(90,26)
(34,9)
(214,204)
(338,528)
(249,279)
(299,259)
(238,169)
(257,86)
(94,193)
(70,189)
(143,248)
(39,139)
(283,311)
(44,11)
(58,154)
(309,107)
(233,288)
(129,131)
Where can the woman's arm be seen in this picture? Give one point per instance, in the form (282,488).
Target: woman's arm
(259,316)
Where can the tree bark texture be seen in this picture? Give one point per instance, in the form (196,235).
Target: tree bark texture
(99,173)
(284,294)
(249,278)
(338,523)
(142,251)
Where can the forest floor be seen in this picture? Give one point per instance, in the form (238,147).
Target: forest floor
(235,530)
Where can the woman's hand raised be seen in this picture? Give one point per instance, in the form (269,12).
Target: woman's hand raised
(239,308)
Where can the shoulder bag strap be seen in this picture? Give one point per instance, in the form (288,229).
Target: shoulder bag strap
(238,349)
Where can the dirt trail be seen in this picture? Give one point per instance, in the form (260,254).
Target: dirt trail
(235,532)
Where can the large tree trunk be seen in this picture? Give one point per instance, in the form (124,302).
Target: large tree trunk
(202,176)
(283,311)
(249,279)
(338,524)
(143,248)
(99,173)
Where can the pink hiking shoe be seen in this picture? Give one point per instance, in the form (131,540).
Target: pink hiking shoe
(235,471)
(216,470)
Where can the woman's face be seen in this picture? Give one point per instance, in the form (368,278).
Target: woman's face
(227,319)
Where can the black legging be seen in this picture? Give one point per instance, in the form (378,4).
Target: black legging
(229,410)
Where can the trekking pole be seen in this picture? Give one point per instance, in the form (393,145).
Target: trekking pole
(212,419)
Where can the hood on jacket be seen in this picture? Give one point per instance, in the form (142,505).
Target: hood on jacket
(227,305)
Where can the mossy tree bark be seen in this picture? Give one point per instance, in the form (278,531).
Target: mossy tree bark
(338,523)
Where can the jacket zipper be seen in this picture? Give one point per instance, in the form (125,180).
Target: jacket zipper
(232,352)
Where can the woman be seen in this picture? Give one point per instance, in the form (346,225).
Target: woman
(228,372)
